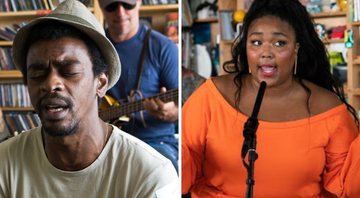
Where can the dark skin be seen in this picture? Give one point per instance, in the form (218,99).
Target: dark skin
(277,103)
(271,53)
(73,133)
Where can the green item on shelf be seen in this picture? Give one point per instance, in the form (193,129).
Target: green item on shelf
(349,39)
(335,58)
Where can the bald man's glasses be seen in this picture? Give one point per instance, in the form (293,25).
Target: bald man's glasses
(113,6)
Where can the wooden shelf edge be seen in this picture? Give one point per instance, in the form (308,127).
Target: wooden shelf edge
(16,108)
(28,13)
(162,7)
(10,74)
(6,43)
(355,23)
(356,61)
(328,14)
(25,13)
(329,41)
(207,20)
(227,41)
(355,91)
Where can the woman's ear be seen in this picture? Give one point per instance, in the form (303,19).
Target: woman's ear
(297,46)
(102,85)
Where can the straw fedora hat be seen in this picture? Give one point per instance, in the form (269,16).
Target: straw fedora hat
(76,14)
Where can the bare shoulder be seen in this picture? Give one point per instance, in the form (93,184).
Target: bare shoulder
(321,99)
(223,81)
(226,86)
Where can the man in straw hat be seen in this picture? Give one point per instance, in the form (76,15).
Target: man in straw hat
(68,64)
(150,66)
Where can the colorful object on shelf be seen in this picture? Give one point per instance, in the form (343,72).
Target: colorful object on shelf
(343,5)
(314,6)
(338,32)
(334,6)
(238,16)
(330,6)
(336,58)
(320,30)
(171,28)
(207,9)
(349,38)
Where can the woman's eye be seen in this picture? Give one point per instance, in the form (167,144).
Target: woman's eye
(280,43)
(256,43)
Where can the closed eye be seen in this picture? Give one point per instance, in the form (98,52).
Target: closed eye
(69,74)
(37,74)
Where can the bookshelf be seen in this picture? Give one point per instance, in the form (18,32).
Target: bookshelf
(157,14)
(225,45)
(154,12)
(353,78)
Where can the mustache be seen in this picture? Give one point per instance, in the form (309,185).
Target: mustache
(51,96)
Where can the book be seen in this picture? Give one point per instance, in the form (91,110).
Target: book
(186,16)
(46,4)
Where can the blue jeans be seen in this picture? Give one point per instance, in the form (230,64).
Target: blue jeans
(169,150)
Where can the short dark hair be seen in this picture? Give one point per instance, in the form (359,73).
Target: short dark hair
(54,30)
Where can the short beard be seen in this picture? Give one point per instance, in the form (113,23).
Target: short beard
(56,131)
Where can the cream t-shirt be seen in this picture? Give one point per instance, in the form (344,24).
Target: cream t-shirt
(126,168)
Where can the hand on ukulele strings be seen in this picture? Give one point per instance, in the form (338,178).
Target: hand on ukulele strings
(160,110)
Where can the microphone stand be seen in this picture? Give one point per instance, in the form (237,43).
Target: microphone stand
(249,145)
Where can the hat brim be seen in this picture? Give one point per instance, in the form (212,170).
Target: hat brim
(103,43)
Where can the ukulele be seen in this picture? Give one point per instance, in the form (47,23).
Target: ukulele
(116,110)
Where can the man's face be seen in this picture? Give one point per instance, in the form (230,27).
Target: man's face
(61,84)
(122,20)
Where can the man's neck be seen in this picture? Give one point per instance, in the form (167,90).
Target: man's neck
(79,150)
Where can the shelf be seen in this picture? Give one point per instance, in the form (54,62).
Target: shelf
(328,15)
(16,108)
(5,43)
(355,23)
(355,91)
(356,61)
(159,8)
(227,41)
(28,13)
(207,20)
(10,74)
(25,13)
(329,41)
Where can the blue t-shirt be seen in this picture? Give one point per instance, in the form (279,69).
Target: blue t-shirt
(160,69)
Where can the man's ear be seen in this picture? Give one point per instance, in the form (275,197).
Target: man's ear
(102,85)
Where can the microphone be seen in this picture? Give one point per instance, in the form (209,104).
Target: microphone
(249,145)
(252,123)
(258,100)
